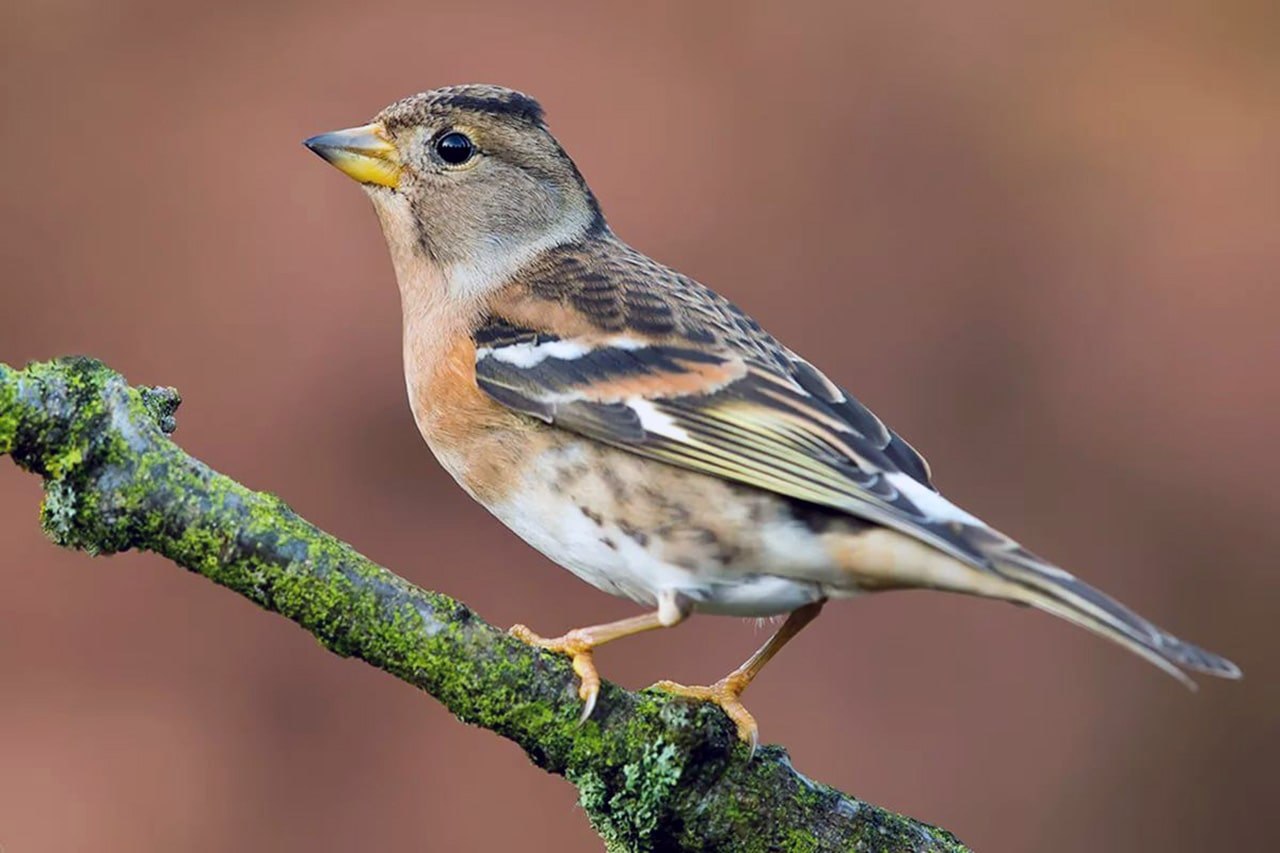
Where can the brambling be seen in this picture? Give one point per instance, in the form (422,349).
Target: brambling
(638,428)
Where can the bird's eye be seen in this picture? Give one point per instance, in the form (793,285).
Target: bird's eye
(455,148)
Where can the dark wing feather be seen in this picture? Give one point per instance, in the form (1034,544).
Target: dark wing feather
(862,419)
(723,414)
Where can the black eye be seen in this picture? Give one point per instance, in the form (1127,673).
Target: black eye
(455,148)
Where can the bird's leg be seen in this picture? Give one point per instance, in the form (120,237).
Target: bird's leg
(580,643)
(727,691)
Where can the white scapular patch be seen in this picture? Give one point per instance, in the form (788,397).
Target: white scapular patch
(530,354)
(626,342)
(654,421)
(930,502)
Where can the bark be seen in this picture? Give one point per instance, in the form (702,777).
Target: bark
(653,772)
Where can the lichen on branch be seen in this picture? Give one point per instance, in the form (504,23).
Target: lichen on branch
(653,772)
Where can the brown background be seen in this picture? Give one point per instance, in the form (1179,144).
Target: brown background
(1044,245)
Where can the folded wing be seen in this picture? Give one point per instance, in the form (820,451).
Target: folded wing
(780,425)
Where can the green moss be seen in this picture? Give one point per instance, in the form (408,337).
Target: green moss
(799,841)
(161,405)
(9,419)
(58,510)
(653,772)
(60,464)
(627,815)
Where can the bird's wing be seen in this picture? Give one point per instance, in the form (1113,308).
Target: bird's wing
(699,398)
(649,361)
(636,356)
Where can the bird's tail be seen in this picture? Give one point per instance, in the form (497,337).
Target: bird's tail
(987,563)
(1048,588)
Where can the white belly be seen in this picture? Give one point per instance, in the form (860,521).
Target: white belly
(615,561)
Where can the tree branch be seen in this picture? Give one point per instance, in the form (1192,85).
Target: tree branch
(653,772)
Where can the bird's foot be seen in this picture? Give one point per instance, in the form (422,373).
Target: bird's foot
(580,650)
(726,693)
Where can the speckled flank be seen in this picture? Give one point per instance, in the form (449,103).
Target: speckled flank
(634,528)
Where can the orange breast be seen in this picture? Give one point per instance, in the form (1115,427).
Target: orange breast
(482,444)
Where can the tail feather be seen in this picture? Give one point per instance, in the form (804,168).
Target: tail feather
(952,550)
(1049,588)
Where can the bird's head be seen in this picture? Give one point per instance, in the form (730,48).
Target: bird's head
(467,180)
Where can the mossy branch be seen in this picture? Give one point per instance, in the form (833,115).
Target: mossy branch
(653,772)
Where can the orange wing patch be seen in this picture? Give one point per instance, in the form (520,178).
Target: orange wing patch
(690,378)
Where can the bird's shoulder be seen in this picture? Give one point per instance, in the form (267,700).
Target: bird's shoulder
(597,321)
(603,287)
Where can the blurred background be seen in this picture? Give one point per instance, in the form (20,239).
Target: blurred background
(1042,243)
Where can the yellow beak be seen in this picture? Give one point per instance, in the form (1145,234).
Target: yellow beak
(364,153)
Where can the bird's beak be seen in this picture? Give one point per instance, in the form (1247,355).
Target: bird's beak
(364,153)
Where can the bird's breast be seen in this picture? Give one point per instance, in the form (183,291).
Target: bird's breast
(481,444)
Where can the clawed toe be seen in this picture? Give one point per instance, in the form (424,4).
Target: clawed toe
(584,666)
(727,694)
(580,651)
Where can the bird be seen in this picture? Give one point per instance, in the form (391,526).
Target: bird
(642,431)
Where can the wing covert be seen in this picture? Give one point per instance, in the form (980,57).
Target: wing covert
(714,410)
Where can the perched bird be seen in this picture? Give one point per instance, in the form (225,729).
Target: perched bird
(638,428)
